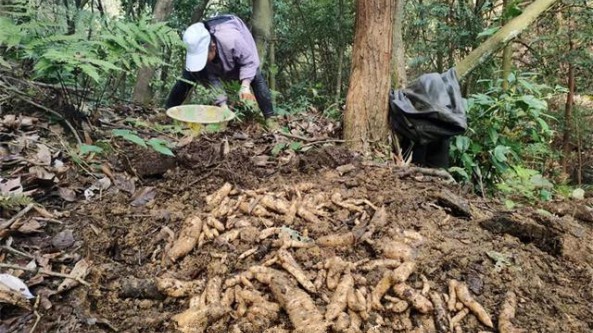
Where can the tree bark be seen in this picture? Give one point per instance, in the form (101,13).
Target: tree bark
(400,79)
(365,119)
(199,11)
(273,69)
(310,39)
(142,91)
(507,56)
(568,110)
(261,23)
(503,36)
(340,50)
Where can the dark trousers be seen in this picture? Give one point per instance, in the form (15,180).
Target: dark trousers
(181,90)
(431,155)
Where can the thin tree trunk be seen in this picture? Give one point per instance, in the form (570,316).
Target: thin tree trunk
(100,8)
(199,11)
(273,69)
(340,55)
(310,40)
(261,24)
(365,119)
(69,19)
(503,36)
(142,91)
(507,56)
(568,108)
(400,78)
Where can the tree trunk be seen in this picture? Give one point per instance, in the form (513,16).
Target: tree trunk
(365,119)
(199,11)
(273,69)
(400,79)
(340,50)
(503,36)
(310,39)
(261,25)
(142,90)
(569,97)
(507,56)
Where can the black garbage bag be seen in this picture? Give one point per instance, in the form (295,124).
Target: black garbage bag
(429,110)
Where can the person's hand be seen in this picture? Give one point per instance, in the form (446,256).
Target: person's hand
(245,94)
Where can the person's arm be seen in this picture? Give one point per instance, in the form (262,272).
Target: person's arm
(247,59)
(216,85)
(180,90)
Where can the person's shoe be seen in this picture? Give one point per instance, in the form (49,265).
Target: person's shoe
(272,124)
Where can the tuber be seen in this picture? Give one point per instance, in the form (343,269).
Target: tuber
(336,240)
(441,319)
(213,200)
(291,266)
(414,297)
(464,296)
(188,238)
(339,300)
(507,314)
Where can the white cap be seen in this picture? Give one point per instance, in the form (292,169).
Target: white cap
(197,39)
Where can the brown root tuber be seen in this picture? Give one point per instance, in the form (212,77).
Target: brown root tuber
(441,319)
(339,300)
(414,297)
(338,240)
(188,238)
(507,314)
(464,296)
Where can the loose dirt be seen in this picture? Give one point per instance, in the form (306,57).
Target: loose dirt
(545,259)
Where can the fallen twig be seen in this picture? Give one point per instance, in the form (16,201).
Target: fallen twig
(320,142)
(23,98)
(409,171)
(37,315)
(42,271)
(15,251)
(17,216)
(302,138)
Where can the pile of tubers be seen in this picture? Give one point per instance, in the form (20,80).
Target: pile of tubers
(342,292)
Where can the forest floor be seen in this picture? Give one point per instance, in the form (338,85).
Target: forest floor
(247,231)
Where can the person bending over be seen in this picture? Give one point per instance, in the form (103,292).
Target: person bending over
(223,49)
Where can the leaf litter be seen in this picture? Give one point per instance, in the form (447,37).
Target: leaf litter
(307,241)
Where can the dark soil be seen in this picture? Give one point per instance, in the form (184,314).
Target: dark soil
(546,260)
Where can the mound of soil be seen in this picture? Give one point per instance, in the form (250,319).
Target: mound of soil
(258,250)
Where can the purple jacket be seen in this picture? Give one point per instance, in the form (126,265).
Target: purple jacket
(237,57)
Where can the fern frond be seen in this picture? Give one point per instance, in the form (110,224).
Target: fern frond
(14,201)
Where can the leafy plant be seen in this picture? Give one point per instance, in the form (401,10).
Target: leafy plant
(157,145)
(87,58)
(509,133)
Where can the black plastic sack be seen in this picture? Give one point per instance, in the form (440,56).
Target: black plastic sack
(428,110)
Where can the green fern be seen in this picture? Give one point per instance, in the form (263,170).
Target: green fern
(14,201)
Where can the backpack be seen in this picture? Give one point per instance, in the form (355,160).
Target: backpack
(428,110)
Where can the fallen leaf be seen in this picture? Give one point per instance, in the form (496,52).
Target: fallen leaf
(80,270)
(16,284)
(261,160)
(30,227)
(67,194)
(125,183)
(11,186)
(100,185)
(107,171)
(43,154)
(41,173)
(63,240)
(344,169)
(143,196)
(13,297)
(43,212)
(185,141)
